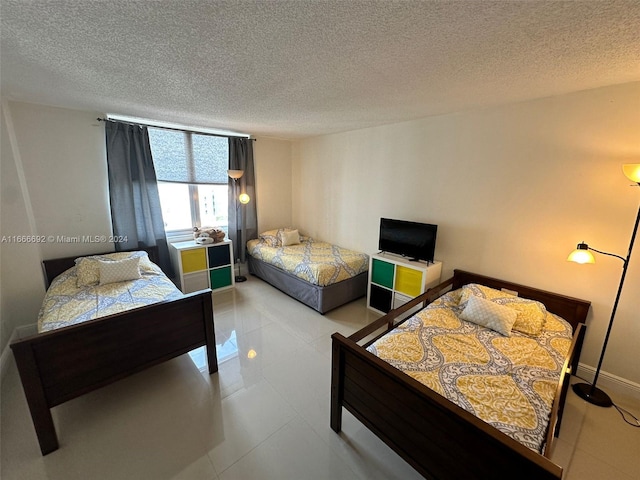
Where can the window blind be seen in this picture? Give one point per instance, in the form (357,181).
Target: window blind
(187,157)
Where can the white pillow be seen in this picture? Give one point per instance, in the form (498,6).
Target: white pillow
(88,268)
(531,314)
(489,314)
(289,238)
(119,271)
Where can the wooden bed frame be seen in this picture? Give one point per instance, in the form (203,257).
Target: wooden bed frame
(65,363)
(435,436)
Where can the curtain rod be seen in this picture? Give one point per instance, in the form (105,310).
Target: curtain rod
(174,129)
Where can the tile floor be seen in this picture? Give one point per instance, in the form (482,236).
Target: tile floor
(265,417)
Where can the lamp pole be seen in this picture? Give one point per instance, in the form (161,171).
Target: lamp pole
(591,393)
(238,199)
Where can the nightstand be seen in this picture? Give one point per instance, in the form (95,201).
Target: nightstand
(203,266)
(394,280)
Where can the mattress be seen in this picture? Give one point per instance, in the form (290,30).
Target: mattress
(316,262)
(66,303)
(507,381)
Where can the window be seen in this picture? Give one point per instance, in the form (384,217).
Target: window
(192,179)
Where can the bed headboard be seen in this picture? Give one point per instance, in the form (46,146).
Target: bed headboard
(573,310)
(54,267)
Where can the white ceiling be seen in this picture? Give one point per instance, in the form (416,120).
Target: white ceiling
(299,68)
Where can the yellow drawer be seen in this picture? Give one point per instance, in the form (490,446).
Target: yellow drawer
(194,260)
(408,281)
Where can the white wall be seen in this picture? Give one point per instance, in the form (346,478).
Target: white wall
(64,159)
(513,190)
(61,154)
(21,281)
(272,158)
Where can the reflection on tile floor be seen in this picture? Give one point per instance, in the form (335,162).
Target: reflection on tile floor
(264,415)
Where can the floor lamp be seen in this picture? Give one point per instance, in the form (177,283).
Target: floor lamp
(583,254)
(240,200)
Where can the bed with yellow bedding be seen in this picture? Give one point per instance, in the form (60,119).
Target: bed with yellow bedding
(77,295)
(507,381)
(473,385)
(105,317)
(319,274)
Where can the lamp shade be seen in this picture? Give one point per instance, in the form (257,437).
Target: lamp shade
(235,174)
(244,198)
(632,171)
(581,254)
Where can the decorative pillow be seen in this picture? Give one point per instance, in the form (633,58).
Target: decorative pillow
(119,271)
(289,238)
(531,314)
(489,314)
(270,238)
(481,291)
(88,268)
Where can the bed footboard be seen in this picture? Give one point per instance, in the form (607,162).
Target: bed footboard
(436,437)
(569,368)
(57,366)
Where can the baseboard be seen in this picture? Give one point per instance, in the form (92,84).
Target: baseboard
(6,356)
(609,382)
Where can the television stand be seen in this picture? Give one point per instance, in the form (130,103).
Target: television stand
(394,280)
(403,257)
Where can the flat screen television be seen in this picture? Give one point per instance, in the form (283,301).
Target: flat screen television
(409,239)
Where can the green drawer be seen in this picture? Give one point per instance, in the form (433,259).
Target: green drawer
(220,277)
(382,273)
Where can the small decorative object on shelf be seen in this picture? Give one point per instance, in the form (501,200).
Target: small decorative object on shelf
(207,235)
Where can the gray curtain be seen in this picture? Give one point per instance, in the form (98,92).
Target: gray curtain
(133,191)
(242,216)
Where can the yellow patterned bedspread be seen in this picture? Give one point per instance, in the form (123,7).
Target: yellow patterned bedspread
(66,304)
(319,263)
(509,382)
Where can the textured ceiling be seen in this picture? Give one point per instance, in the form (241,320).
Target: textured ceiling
(299,68)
